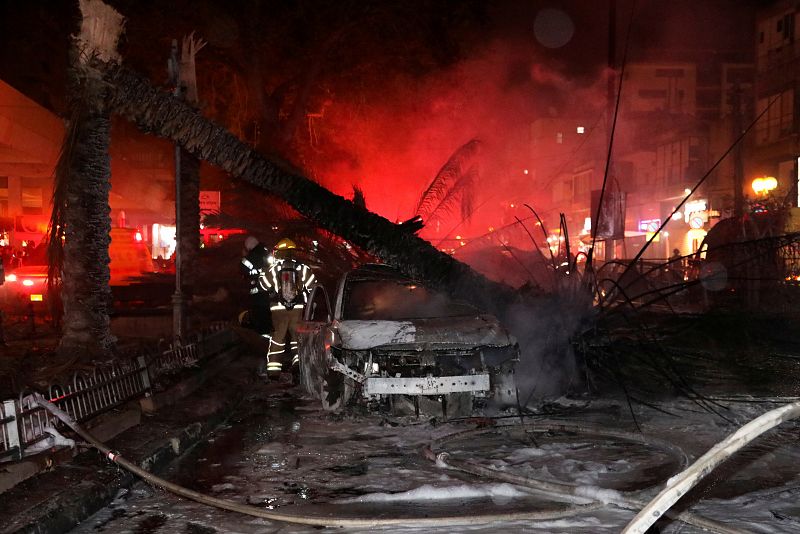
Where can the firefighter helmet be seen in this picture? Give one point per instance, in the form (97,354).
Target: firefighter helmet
(285,244)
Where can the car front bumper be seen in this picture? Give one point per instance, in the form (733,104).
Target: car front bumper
(429,385)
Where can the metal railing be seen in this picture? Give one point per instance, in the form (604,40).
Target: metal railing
(85,395)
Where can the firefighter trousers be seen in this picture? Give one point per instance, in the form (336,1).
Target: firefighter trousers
(284,322)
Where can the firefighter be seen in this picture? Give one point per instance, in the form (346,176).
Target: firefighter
(253,266)
(289,282)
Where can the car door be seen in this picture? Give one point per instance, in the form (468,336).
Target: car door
(311,339)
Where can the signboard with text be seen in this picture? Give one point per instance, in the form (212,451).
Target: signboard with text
(209,202)
(649,225)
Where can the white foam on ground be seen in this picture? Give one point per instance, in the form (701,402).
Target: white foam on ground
(602,495)
(431,493)
(520,455)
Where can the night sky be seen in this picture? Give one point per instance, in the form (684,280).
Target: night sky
(394,87)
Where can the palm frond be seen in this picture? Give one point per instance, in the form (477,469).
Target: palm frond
(358,197)
(448,178)
(460,190)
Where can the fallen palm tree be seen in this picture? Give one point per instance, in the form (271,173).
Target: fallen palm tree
(157,112)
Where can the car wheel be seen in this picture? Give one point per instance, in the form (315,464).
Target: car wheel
(335,391)
(306,373)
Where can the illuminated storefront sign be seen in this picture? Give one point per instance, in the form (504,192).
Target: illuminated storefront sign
(692,207)
(649,225)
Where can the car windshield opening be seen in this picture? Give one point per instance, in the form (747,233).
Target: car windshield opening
(392,301)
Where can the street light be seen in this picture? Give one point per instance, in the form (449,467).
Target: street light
(764,184)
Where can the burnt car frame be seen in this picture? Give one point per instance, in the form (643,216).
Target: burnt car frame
(392,343)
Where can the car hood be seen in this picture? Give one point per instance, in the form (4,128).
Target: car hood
(421,334)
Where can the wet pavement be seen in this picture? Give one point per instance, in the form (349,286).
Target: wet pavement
(279,451)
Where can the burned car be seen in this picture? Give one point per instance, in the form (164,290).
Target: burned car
(391,343)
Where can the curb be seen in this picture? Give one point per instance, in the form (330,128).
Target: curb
(89,482)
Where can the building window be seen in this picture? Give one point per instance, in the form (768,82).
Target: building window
(560,137)
(677,162)
(788,27)
(669,73)
(3,195)
(653,93)
(32,200)
(582,183)
(563,191)
(778,121)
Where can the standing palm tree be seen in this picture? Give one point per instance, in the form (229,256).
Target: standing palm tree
(81,222)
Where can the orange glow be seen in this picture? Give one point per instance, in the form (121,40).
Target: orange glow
(764,184)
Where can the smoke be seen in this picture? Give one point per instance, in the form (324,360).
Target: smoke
(397,139)
(545,331)
(142,175)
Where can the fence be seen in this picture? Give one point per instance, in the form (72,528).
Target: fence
(25,427)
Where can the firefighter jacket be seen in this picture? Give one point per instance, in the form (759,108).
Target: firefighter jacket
(289,282)
(253,266)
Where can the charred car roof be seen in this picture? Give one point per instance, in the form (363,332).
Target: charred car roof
(377,271)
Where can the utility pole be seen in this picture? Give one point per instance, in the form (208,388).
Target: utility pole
(178,301)
(187,189)
(610,242)
(738,165)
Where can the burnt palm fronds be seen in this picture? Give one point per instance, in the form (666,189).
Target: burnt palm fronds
(544,233)
(455,181)
(154,111)
(461,193)
(743,257)
(358,197)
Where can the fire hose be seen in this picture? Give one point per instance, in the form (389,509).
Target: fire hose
(684,481)
(314,520)
(625,500)
(650,512)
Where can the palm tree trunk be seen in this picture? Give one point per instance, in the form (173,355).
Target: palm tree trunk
(157,112)
(82,221)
